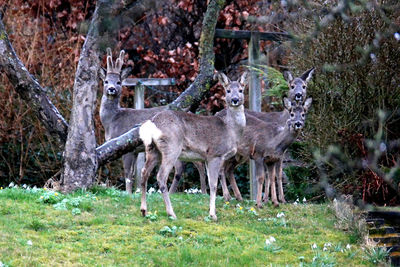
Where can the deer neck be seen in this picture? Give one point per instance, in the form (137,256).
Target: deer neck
(236,118)
(286,137)
(108,109)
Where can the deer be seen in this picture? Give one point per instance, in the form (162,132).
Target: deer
(266,143)
(171,135)
(297,93)
(117,120)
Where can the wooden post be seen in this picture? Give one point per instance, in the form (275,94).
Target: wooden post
(139,104)
(139,84)
(254,99)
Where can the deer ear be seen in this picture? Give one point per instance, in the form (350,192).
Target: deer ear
(102,73)
(126,72)
(288,76)
(243,79)
(306,76)
(307,104)
(287,103)
(223,79)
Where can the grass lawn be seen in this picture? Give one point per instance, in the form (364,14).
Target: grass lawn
(104,227)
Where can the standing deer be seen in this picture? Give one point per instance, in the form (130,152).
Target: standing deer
(174,134)
(297,94)
(266,143)
(117,120)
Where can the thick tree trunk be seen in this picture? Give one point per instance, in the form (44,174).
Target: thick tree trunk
(80,159)
(30,90)
(195,92)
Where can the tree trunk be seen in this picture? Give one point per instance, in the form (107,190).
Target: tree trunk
(195,92)
(80,159)
(30,90)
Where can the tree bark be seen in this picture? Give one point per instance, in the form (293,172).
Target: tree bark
(80,159)
(30,90)
(202,84)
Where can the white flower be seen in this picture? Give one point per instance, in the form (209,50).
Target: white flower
(325,249)
(314,246)
(270,240)
(29,243)
(397,36)
(137,190)
(304,200)
(180,238)
(151,190)
(295,203)
(11,184)
(24,186)
(327,245)
(348,246)
(279,215)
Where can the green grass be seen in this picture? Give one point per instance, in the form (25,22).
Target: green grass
(108,230)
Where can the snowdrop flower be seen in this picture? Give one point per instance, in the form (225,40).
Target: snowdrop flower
(151,190)
(279,215)
(348,246)
(24,186)
(11,184)
(304,200)
(327,245)
(325,249)
(159,191)
(397,36)
(137,190)
(314,246)
(270,240)
(29,243)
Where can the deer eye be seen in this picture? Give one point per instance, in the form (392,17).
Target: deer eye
(304,87)
(292,86)
(228,91)
(292,115)
(303,115)
(118,83)
(106,82)
(240,91)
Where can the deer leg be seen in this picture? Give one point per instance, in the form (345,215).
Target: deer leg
(151,162)
(280,185)
(200,167)
(225,191)
(213,167)
(267,186)
(177,177)
(129,161)
(271,178)
(167,163)
(260,174)
(232,181)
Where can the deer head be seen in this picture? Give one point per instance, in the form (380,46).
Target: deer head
(234,96)
(298,85)
(297,113)
(113,77)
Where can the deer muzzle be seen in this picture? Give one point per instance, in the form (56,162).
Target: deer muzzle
(111,91)
(298,96)
(298,125)
(235,101)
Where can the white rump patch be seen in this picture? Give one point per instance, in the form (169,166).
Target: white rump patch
(149,132)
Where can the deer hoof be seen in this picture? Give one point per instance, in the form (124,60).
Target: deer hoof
(227,197)
(144,212)
(259,205)
(214,217)
(276,204)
